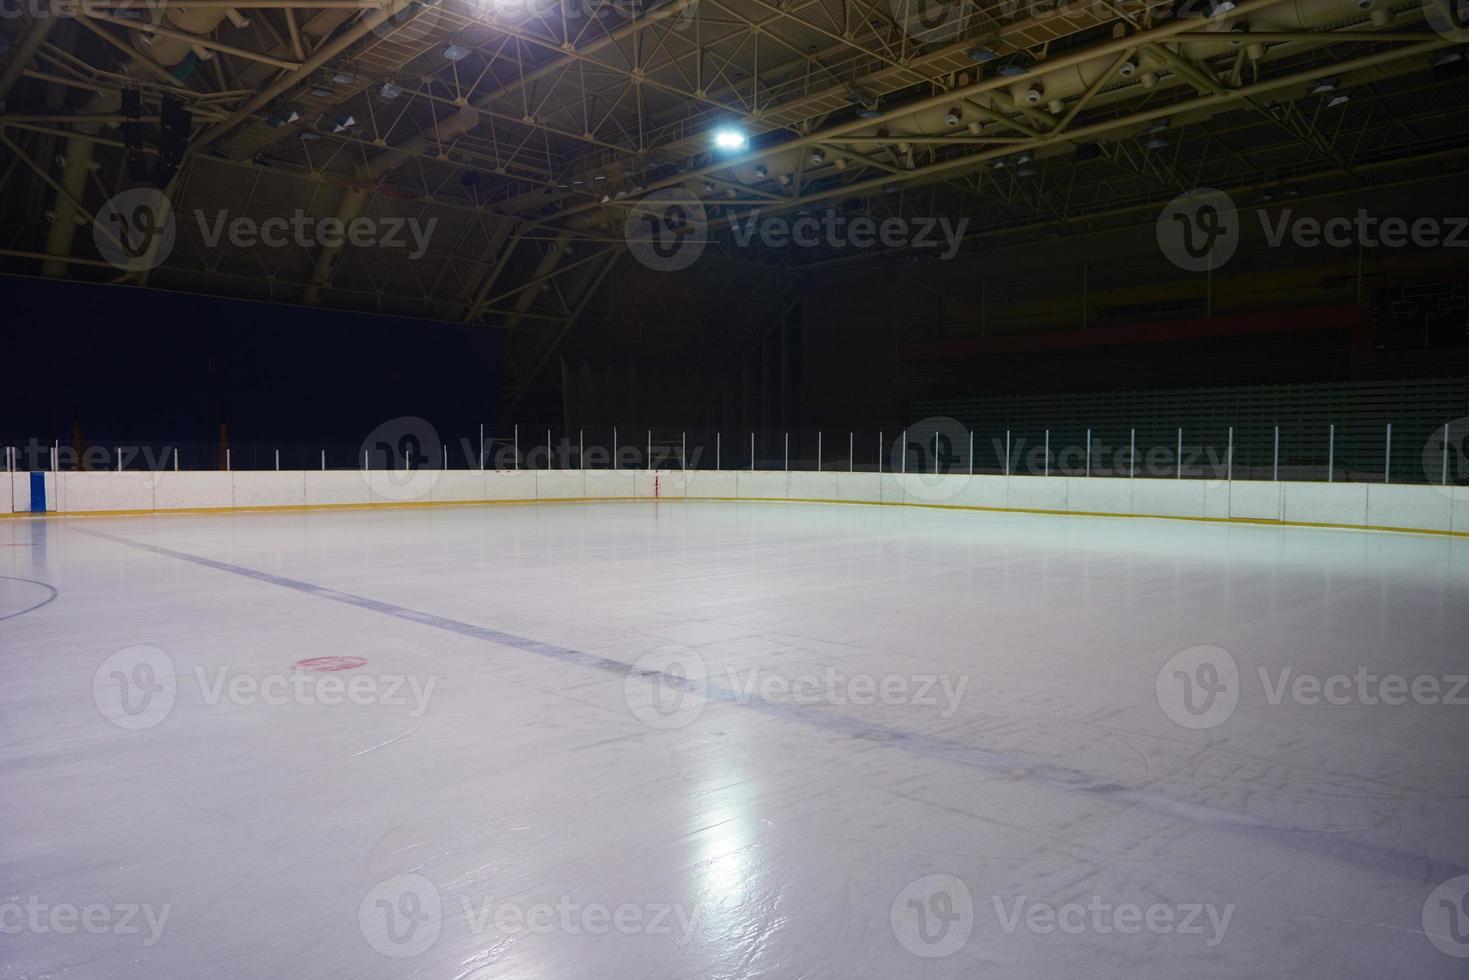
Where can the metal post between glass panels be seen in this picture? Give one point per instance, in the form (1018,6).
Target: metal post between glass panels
(1387,457)
(1445,477)
(1331,454)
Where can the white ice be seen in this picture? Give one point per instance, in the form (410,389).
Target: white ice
(504,796)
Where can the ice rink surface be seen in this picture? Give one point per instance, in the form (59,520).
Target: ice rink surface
(730,740)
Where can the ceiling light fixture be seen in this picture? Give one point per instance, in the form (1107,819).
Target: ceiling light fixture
(729,138)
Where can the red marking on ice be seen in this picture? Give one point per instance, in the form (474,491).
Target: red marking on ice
(322,665)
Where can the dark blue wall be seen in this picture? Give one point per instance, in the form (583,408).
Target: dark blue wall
(149,366)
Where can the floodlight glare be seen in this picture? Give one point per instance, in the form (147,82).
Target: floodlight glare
(730,139)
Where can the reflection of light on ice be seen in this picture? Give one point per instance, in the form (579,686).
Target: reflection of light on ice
(724,874)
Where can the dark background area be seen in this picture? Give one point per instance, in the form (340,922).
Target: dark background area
(131,365)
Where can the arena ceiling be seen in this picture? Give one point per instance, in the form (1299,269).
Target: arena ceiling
(525,133)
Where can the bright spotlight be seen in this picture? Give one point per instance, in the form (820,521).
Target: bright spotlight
(730,139)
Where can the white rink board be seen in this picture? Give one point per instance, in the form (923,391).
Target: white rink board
(1329,503)
(269,489)
(713,484)
(1168,498)
(1405,506)
(181,490)
(336,488)
(1255,501)
(1392,507)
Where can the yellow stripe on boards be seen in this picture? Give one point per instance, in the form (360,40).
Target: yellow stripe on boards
(416,504)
